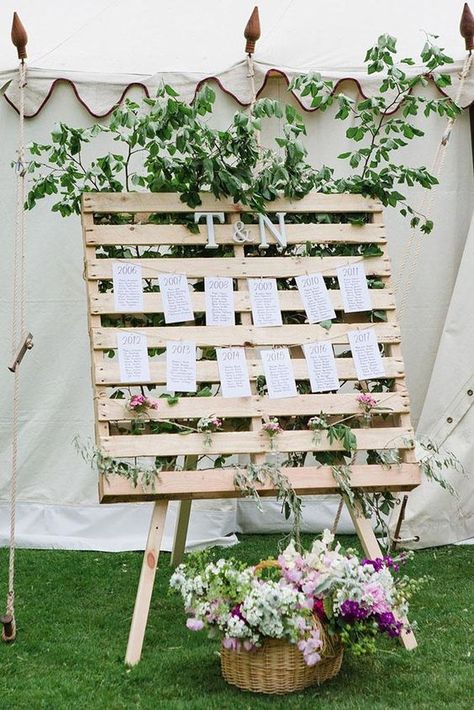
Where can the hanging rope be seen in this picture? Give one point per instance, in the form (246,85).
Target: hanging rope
(338,516)
(251,76)
(412,251)
(18,334)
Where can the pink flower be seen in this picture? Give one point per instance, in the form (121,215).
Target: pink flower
(230,643)
(194,624)
(309,648)
(376,598)
(294,576)
(312,658)
(366,401)
(209,424)
(140,403)
(272,427)
(300,623)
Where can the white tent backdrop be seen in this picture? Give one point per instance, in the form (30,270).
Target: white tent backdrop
(101,48)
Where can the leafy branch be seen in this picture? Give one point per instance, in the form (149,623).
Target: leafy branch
(376,123)
(247,480)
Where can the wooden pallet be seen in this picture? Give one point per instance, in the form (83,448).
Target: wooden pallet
(138,234)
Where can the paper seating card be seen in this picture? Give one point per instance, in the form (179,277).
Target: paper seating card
(181,366)
(219,295)
(133,357)
(264,302)
(354,290)
(174,291)
(233,372)
(278,372)
(128,287)
(321,366)
(365,351)
(315,297)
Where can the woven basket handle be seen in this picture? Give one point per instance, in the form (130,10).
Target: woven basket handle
(265,564)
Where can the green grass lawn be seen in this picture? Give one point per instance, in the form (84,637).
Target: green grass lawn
(73,614)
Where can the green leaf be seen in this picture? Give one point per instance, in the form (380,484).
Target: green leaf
(326,324)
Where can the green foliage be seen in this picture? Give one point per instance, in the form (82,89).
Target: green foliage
(246,480)
(146,476)
(167,145)
(434,460)
(379,129)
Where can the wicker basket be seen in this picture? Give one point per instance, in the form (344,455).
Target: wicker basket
(278,666)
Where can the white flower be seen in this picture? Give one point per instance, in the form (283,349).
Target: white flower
(289,554)
(327,537)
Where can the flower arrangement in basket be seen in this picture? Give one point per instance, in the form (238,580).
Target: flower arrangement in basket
(284,623)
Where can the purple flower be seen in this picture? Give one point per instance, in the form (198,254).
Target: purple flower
(387,623)
(236,611)
(194,624)
(353,611)
(377,564)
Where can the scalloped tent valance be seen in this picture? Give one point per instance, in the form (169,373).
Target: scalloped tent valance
(102,48)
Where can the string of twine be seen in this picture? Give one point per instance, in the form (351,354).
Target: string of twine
(17,330)
(164,272)
(413,248)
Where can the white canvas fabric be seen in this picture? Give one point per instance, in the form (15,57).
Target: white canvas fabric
(119,44)
(448,419)
(57,490)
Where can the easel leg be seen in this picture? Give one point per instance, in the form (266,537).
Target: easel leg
(372,549)
(180,532)
(145,585)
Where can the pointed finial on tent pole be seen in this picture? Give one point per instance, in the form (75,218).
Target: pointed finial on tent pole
(466,27)
(19,37)
(252,31)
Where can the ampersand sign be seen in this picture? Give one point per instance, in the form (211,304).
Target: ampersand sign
(241,233)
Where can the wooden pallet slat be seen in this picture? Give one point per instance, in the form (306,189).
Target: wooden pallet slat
(248,442)
(255,406)
(218,483)
(248,336)
(103,303)
(170,202)
(251,267)
(107,371)
(179,234)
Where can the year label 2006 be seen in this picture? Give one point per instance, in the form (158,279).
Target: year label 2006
(126,269)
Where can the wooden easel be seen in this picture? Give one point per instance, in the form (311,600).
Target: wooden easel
(191,483)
